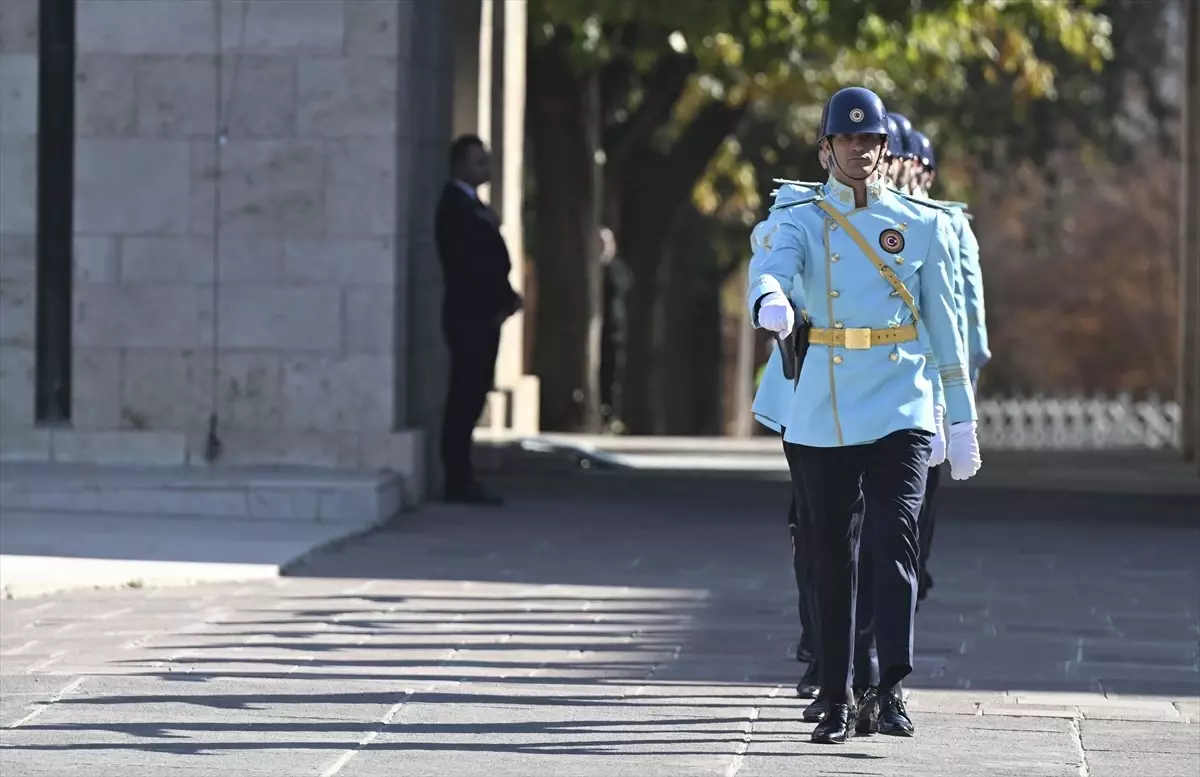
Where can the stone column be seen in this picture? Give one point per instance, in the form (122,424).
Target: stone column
(431,108)
(502,112)
(18,216)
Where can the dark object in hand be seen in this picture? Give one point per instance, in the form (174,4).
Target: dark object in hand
(793,349)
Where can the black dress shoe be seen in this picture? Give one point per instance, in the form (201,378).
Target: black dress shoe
(867,702)
(814,712)
(809,686)
(893,717)
(835,728)
(472,495)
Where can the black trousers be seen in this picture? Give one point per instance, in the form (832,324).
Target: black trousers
(473,354)
(840,485)
(925,526)
(866,659)
(802,569)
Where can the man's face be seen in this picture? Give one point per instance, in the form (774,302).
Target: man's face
(858,154)
(476,166)
(908,173)
(893,167)
(608,245)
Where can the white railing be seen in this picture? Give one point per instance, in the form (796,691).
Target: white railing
(1077,423)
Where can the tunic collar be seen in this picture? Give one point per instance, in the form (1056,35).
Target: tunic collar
(843,195)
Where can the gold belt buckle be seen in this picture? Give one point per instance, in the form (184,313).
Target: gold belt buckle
(858,339)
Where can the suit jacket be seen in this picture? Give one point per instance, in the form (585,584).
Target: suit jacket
(475,261)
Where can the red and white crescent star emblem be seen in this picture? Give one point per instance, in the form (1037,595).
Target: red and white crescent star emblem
(891,241)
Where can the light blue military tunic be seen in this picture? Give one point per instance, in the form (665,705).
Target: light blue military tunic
(969,289)
(978,353)
(773,398)
(852,396)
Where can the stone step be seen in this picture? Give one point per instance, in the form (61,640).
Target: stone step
(302,495)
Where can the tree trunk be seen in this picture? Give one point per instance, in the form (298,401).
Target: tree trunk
(560,121)
(692,380)
(654,189)
(645,226)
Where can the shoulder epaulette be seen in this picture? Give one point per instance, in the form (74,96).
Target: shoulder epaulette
(804,184)
(793,203)
(922,201)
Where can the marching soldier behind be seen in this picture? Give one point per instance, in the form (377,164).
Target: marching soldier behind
(978,352)
(865,266)
(771,401)
(969,297)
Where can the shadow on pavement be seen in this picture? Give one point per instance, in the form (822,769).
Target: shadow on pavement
(660,608)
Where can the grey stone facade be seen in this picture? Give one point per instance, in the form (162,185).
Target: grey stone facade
(254,185)
(18,168)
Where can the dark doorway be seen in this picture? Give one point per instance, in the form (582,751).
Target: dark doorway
(55,207)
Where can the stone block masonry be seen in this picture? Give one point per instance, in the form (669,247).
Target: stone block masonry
(252,219)
(18,216)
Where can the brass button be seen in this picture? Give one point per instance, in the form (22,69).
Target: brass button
(893,357)
(894,294)
(832,227)
(899,260)
(835,258)
(839,325)
(837,360)
(903,225)
(834,294)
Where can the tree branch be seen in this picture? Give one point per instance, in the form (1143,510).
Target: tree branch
(690,155)
(663,86)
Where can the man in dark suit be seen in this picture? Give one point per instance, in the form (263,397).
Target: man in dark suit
(478,300)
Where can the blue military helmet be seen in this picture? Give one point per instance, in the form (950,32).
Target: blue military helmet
(895,144)
(908,147)
(924,150)
(853,110)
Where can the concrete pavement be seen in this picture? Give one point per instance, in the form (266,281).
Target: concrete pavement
(620,626)
(72,526)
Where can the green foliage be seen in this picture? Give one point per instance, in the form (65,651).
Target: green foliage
(783,58)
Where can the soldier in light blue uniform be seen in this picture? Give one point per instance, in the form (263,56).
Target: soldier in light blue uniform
(771,401)
(862,417)
(969,297)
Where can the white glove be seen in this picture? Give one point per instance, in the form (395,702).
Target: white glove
(939,437)
(963,451)
(775,313)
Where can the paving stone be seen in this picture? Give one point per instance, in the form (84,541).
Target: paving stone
(1139,736)
(1111,764)
(1164,711)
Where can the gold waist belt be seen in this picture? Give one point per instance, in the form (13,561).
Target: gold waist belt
(862,339)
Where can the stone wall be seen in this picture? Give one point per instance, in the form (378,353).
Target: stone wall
(18,196)
(254,191)
(431,91)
